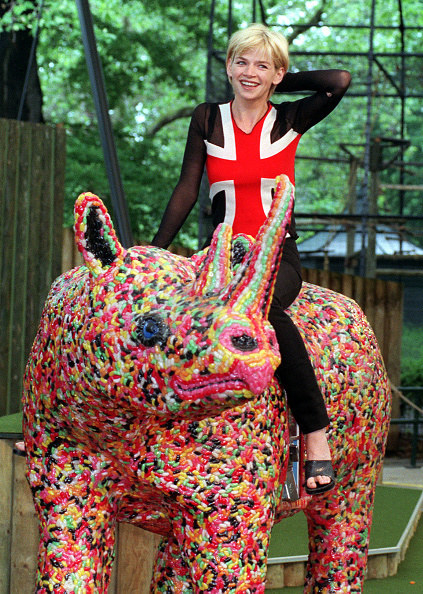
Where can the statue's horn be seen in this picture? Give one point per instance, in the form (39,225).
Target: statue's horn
(252,288)
(215,273)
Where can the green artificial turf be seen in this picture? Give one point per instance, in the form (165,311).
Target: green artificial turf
(289,537)
(409,577)
(11,426)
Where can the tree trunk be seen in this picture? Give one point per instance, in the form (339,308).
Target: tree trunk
(15,51)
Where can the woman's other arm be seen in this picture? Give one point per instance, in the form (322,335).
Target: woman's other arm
(185,194)
(332,82)
(327,87)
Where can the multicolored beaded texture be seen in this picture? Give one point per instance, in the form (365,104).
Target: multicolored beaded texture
(149,398)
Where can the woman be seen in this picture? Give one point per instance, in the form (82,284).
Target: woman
(244,145)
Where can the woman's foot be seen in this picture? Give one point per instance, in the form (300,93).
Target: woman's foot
(317,449)
(19,448)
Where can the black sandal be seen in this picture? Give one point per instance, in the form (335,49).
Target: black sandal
(315,468)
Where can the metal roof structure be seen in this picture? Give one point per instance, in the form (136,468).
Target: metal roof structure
(333,242)
(378,75)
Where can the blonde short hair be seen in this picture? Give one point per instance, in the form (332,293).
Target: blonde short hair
(259,37)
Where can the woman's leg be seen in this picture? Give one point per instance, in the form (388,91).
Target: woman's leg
(296,373)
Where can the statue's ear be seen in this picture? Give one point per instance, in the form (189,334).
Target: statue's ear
(95,236)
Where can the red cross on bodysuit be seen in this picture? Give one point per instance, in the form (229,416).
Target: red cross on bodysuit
(246,167)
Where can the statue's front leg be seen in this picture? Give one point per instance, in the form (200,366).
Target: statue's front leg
(77,525)
(75,552)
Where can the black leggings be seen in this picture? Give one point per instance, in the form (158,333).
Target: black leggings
(295,372)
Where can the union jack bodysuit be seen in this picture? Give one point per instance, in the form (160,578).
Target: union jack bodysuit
(241,169)
(244,169)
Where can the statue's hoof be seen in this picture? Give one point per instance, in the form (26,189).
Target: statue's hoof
(314,468)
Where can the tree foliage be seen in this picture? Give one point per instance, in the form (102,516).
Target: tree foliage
(154,56)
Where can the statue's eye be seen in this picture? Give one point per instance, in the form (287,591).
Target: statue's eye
(151,330)
(245,342)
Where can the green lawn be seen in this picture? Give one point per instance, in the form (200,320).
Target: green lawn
(11,426)
(409,577)
(289,537)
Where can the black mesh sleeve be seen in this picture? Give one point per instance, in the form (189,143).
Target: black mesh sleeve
(185,193)
(328,87)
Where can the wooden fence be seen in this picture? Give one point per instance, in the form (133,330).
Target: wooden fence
(32,162)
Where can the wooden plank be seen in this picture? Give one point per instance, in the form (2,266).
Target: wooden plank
(25,533)
(275,576)
(309,275)
(67,251)
(369,300)
(17,344)
(45,236)
(347,285)
(359,291)
(393,331)
(8,251)
(6,480)
(58,196)
(393,562)
(294,574)
(136,553)
(335,282)
(5,271)
(377,567)
(36,230)
(30,240)
(324,278)
(71,256)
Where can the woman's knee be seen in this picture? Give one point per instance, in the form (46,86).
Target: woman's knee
(287,286)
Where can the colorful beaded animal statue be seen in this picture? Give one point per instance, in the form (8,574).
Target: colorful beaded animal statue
(150,399)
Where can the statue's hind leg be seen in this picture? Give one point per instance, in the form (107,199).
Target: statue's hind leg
(353,380)
(339,522)
(171,573)
(338,544)
(225,550)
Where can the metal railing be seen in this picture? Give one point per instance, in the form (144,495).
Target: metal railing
(415,421)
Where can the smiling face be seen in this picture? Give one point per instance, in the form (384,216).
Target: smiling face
(253,75)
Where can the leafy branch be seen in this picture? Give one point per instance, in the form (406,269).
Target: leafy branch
(185,112)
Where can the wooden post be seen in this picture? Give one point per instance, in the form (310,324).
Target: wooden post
(136,552)
(32,165)
(25,533)
(6,482)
